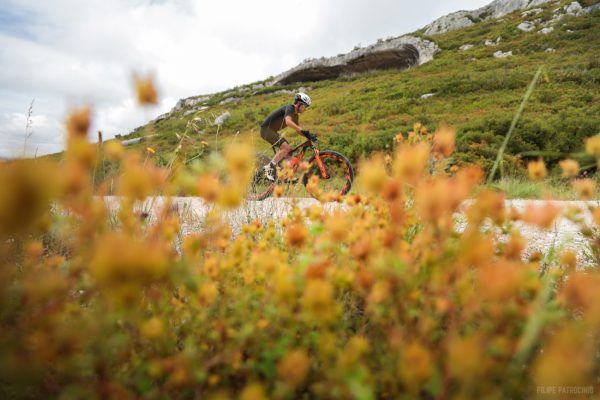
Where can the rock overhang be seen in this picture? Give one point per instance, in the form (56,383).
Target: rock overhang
(400,53)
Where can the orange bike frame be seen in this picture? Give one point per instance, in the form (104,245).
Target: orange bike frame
(296,160)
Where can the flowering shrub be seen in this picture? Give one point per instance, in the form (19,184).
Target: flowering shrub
(379,299)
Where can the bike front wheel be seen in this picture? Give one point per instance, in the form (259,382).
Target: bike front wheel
(335,174)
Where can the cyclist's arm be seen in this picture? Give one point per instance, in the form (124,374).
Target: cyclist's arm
(290,123)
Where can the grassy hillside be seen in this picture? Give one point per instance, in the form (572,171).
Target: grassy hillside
(474,92)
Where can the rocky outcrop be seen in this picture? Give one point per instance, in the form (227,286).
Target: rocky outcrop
(401,52)
(450,22)
(190,102)
(495,9)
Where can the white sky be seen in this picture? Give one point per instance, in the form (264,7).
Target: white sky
(66,53)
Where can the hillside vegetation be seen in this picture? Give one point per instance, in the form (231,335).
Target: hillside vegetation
(475,92)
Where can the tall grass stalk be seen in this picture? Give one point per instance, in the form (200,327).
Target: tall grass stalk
(28,125)
(515,120)
(535,323)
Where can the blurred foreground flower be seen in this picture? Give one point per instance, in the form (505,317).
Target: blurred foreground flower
(78,122)
(537,170)
(443,141)
(569,167)
(585,188)
(145,90)
(592,146)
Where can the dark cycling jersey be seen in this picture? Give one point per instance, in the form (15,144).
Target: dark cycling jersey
(276,120)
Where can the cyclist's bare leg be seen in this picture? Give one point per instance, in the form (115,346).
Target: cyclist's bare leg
(283,152)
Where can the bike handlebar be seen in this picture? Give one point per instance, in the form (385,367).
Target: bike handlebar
(310,136)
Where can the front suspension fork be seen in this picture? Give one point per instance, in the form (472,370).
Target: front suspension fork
(324,173)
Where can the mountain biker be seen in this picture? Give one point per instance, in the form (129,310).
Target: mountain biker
(286,116)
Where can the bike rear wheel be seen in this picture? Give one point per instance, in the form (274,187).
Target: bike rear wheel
(339,171)
(260,187)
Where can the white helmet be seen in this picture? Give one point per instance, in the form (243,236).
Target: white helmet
(303,98)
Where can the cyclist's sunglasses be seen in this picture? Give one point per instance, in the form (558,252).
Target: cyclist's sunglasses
(304,104)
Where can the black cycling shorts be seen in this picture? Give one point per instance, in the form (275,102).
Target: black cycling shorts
(271,136)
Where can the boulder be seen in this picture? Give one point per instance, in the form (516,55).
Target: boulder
(546,31)
(549,50)
(466,47)
(574,9)
(526,26)
(501,54)
(230,100)
(161,117)
(591,9)
(220,120)
(129,142)
(401,53)
(427,95)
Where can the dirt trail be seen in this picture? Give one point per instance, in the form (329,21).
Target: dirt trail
(564,234)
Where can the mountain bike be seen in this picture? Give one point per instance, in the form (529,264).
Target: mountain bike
(333,171)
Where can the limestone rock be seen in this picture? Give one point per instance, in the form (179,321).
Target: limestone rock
(535,3)
(402,52)
(491,43)
(574,9)
(549,50)
(466,47)
(220,120)
(450,22)
(161,117)
(528,13)
(526,26)
(190,102)
(427,95)
(230,100)
(546,31)
(501,54)
(283,91)
(195,110)
(494,10)
(591,9)
(129,142)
